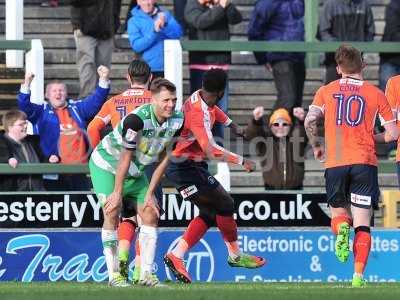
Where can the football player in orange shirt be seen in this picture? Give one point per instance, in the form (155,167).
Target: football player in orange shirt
(392,93)
(349,107)
(117,107)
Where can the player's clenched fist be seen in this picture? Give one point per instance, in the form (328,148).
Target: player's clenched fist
(28,78)
(258,112)
(319,153)
(249,165)
(104,72)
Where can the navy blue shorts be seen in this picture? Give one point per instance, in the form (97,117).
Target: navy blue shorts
(353,184)
(191,178)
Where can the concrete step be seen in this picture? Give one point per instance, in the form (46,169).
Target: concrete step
(236,87)
(249,102)
(4,81)
(242,72)
(10,87)
(61,49)
(10,73)
(8,97)
(8,104)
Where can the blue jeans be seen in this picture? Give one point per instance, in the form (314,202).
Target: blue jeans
(196,78)
(387,70)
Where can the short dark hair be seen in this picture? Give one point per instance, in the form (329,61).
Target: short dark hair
(139,71)
(349,59)
(161,83)
(12,116)
(214,80)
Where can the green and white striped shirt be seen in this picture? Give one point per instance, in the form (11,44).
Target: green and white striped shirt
(139,130)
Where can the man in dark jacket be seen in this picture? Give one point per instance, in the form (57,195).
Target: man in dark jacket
(210,20)
(281,20)
(17,147)
(282,147)
(94,23)
(344,20)
(390,62)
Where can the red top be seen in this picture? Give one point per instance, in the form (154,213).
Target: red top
(196,141)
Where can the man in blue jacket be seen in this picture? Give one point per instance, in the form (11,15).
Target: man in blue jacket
(148,27)
(61,124)
(281,20)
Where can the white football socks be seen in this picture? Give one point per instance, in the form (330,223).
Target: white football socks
(110,250)
(148,243)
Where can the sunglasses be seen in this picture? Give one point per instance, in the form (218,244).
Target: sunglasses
(280,124)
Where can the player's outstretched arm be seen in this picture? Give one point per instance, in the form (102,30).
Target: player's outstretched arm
(237,130)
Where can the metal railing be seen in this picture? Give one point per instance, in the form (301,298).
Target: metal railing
(278,46)
(384,167)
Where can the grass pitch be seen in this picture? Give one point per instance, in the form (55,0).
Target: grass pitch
(206,291)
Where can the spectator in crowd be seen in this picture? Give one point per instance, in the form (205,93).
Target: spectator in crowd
(61,124)
(124,27)
(94,24)
(148,27)
(179,13)
(16,147)
(390,62)
(281,147)
(210,20)
(281,20)
(344,20)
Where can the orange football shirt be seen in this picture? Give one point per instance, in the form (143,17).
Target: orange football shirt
(114,109)
(196,141)
(350,107)
(393,95)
